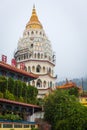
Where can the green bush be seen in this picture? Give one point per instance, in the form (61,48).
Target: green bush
(1,95)
(10,117)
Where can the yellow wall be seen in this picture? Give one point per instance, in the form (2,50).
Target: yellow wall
(83,100)
(12,125)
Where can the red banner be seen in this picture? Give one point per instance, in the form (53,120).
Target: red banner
(13,62)
(4,58)
(22,66)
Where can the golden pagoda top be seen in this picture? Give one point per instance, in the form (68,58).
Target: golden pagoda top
(34,22)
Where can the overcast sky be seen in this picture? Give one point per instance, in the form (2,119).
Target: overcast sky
(64,22)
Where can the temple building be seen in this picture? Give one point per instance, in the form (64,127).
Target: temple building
(34,50)
(69,85)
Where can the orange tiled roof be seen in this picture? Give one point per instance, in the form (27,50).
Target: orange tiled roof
(68,85)
(14,69)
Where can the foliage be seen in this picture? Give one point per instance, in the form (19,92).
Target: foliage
(24,91)
(10,117)
(31,94)
(74,91)
(10,86)
(34,128)
(21,99)
(63,111)
(17,90)
(1,95)
(40,101)
(8,95)
(62,125)
(3,84)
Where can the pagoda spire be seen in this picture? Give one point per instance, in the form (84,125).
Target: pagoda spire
(33,6)
(34,21)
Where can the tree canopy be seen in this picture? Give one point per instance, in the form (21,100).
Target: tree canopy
(64,112)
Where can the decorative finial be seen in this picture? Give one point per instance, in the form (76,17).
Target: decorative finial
(33,6)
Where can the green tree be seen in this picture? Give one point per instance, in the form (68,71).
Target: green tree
(9,95)
(24,91)
(18,88)
(11,85)
(1,95)
(74,91)
(32,91)
(32,94)
(21,99)
(64,112)
(3,84)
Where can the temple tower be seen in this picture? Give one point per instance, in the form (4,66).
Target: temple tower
(35,52)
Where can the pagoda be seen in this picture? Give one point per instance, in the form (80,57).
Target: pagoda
(35,52)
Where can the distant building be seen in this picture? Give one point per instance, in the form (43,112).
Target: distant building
(35,52)
(69,85)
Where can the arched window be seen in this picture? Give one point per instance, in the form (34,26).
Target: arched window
(33,68)
(32,32)
(19,58)
(36,32)
(29,69)
(50,84)
(50,70)
(41,56)
(24,56)
(40,33)
(30,55)
(43,69)
(28,33)
(45,56)
(39,83)
(44,83)
(38,68)
(35,55)
(38,55)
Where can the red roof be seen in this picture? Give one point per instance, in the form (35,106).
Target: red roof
(18,103)
(14,69)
